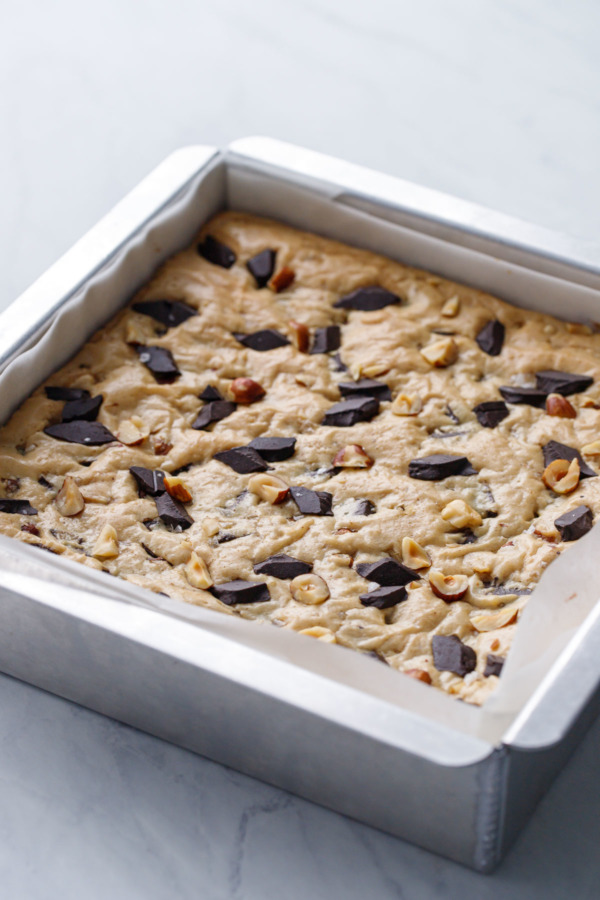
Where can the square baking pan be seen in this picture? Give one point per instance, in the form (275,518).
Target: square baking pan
(333,740)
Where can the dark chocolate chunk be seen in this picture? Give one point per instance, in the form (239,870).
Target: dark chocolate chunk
(238,591)
(365,387)
(340,365)
(467,536)
(89,433)
(493,665)
(439,466)
(150,552)
(565,383)
(384,597)
(87,408)
(65,393)
(262,266)
(223,537)
(387,572)
(349,412)
(452,415)
(167,312)
(312,503)
(368,298)
(213,412)
(531,396)
(261,341)
(216,252)
(364,508)
(491,413)
(282,566)
(327,339)
(151,524)
(210,393)
(574,524)
(17,507)
(491,337)
(173,513)
(149,481)
(45,483)
(451,655)
(555,450)
(242,460)
(160,362)
(274,449)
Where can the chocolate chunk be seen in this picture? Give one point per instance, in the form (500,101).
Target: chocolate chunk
(312,503)
(327,339)
(151,524)
(261,341)
(364,508)
(491,413)
(387,572)
(282,566)
(87,408)
(491,337)
(45,483)
(89,433)
(451,655)
(262,266)
(340,365)
(173,513)
(554,450)
(467,536)
(150,552)
(211,393)
(349,412)
(65,393)
(384,597)
(242,460)
(574,524)
(223,537)
(452,415)
(217,253)
(213,412)
(439,466)
(365,387)
(149,481)
(167,312)
(493,665)
(238,591)
(565,383)
(368,299)
(531,396)
(274,449)
(17,507)
(160,362)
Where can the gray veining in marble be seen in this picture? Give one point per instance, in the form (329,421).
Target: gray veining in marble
(494,101)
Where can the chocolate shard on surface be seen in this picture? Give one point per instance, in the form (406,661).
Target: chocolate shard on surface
(262,266)
(368,299)
(87,408)
(491,338)
(217,253)
(149,481)
(282,566)
(493,665)
(239,591)
(366,387)
(159,361)
(451,655)
(574,524)
(529,395)
(327,339)
(173,513)
(384,597)
(387,572)
(213,412)
(167,312)
(242,460)
(66,393)
(274,449)
(340,365)
(17,507)
(555,450)
(210,393)
(491,413)
(312,503)
(554,382)
(439,466)
(349,412)
(261,341)
(92,434)
(364,508)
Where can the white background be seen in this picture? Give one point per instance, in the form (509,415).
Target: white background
(492,100)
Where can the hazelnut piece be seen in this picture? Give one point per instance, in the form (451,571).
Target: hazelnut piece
(592,449)
(320,633)
(129,433)
(245,390)
(300,336)
(451,307)
(282,279)
(490,621)
(162,446)
(196,572)
(309,588)
(441,353)
(407,405)
(561,476)
(419,675)
(413,555)
(557,405)
(461,515)
(369,370)
(448,587)
(269,487)
(106,546)
(352,456)
(177,488)
(69,500)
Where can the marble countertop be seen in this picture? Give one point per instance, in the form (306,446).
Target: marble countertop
(493,102)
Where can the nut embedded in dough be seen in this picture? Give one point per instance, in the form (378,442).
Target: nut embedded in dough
(407,405)
(561,476)
(320,633)
(557,405)
(448,587)
(246,390)
(300,335)
(592,449)
(352,456)
(282,279)
(269,487)
(461,515)
(309,588)
(419,675)
(130,434)
(177,488)
(413,555)
(490,621)
(69,500)
(451,307)
(196,572)
(107,545)
(441,353)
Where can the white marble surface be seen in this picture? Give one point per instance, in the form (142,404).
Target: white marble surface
(496,102)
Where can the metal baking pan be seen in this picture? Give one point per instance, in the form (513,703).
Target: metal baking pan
(329,740)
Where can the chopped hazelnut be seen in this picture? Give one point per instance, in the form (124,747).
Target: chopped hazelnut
(448,587)
(300,335)
(69,500)
(309,588)
(245,390)
(441,353)
(282,279)
(413,555)
(557,405)
(177,488)
(196,572)
(419,675)
(320,633)
(592,449)
(451,307)
(589,403)
(561,476)
(495,645)
(407,405)
(162,446)
(370,370)
(269,487)
(106,546)
(352,456)
(578,328)
(490,621)
(129,433)
(461,515)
